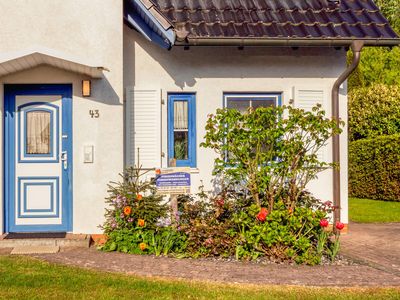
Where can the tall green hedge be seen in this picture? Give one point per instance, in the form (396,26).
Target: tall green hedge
(374,168)
(374,111)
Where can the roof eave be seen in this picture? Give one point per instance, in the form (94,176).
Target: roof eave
(285,42)
(138,12)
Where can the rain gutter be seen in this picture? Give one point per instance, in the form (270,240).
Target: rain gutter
(356,48)
(283,42)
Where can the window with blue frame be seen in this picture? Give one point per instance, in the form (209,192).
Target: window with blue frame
(243,101)
(182,130)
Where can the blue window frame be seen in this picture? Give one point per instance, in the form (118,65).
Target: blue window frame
(242,101)
(182,130)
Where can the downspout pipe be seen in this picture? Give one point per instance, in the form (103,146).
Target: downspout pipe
(356,48)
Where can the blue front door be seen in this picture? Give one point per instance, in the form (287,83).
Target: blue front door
(38,158)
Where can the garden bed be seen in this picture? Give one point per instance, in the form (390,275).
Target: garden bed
(265,159)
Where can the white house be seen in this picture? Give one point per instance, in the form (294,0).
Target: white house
(85,83)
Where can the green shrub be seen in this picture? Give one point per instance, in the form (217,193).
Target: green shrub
(374,168)
(231,225)
(374,111)
(271,152)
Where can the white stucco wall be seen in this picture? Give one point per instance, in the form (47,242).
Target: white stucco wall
(209,72)
(92,31)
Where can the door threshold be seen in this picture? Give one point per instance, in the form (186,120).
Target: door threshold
(35,235)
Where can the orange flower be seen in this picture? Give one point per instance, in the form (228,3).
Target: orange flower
(158,171)
(141,222)
(127,210)
(142,246)
(139,197)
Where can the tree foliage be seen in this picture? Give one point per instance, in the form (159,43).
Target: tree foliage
(380,64)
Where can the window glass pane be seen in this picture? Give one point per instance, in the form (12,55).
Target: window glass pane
(38,132)
(181,115)
(240,105)
(263,103)
(181,145)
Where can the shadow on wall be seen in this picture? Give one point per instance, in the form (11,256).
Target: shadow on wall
(102,90)
(185,66)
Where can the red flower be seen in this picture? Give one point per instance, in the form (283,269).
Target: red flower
(339,225)
(324,223)
(220,201)
(262,215)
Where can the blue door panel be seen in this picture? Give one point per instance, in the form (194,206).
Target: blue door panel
(10,154)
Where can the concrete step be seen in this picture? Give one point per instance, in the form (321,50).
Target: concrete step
(69,241)
(21,250)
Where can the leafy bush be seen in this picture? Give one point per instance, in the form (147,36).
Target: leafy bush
(374,168)
(270,152)
(137,220)
(284,235)
(208,222)
(374,111)
(228,225)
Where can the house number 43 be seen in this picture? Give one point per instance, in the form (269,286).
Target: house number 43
(94,113)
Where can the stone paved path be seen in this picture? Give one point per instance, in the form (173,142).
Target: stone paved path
(376,245)
(224,271)
(375,248)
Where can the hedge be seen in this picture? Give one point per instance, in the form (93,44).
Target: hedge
(374,168)
(374,112)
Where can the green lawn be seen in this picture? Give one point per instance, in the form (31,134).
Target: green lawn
(27,278)
(373,211)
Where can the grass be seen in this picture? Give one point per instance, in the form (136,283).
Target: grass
(373,211)
(28,278)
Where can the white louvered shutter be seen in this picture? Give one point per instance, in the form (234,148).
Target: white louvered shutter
(308,97)
(143,127)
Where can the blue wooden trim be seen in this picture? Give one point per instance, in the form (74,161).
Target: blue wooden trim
(35,210)
(54,213)
(54,156)
(138,16)
(192,146)
(10,92)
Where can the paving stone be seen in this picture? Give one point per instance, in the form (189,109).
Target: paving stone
(224,271)
(375,246)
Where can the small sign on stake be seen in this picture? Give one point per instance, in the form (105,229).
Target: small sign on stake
(173,181)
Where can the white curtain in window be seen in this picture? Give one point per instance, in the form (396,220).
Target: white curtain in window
(181,115)
(38,132)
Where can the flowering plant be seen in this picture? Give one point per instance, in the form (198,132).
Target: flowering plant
(137,219)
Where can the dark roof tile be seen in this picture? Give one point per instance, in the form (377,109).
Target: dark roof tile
(277,18)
